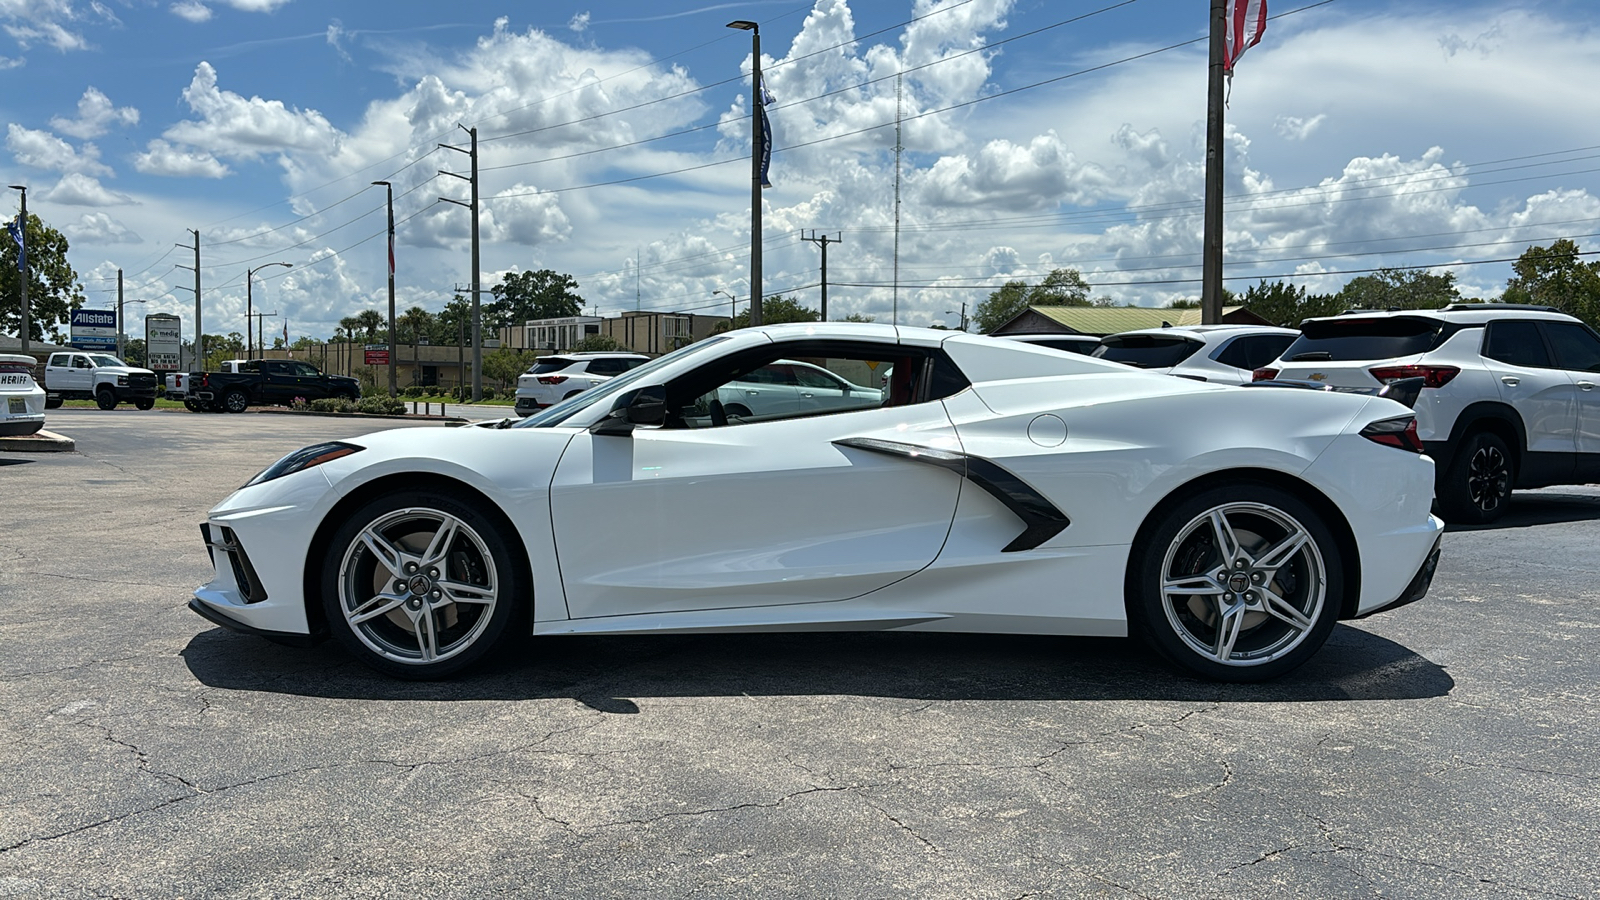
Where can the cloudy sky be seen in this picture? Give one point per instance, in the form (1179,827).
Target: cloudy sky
(614,142)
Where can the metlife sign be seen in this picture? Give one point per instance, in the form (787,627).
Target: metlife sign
(163,342)
(94,329)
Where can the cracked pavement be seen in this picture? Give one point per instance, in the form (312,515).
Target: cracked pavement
(1445,749)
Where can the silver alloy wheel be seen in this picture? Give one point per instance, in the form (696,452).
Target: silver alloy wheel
(236,401)
(418,586)
(1488,478)
(1243,584)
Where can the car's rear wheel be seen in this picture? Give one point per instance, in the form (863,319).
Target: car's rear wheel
(144,404)
(236,401)
(737,410)
(192,405)
(1475,488)
(1239,582)
(52,402)
(420,584)
(105,398)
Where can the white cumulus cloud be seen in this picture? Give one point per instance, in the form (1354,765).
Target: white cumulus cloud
(192,11)
(99,228)
(162,158)
(75,189)
(96,115)
(43,150)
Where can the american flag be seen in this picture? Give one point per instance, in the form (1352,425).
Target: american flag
(1246,22)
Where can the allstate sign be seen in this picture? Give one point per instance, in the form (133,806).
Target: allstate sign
(94,329)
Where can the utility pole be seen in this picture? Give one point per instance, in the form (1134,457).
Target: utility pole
(477,314)
(259,316)
(199,330)
(22,261)
(963,314)
(824,241)
(899,148)
(249,274)
(389,194)
(1211,249)
(757,145)
(121,351)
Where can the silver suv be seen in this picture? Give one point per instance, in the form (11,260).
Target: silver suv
(1508,397)
(555,378)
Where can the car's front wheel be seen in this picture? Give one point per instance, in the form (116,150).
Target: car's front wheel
(144,404)
(52,402)
(420,584)
(105,398)
(236,401)
(1239,582)
(1476,486)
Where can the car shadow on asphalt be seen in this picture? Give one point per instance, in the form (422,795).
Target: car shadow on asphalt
(1543,508)
(607,672)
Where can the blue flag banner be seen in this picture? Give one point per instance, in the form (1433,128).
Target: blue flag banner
(15,227)
(766,136)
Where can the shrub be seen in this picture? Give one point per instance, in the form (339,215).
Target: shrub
(326,404)
(299,403)
(488,393)
(382,406)
(414,390)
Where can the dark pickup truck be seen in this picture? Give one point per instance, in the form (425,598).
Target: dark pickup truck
(266,382)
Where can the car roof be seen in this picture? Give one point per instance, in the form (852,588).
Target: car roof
(1459,313)
(1048,336)
(1201,332)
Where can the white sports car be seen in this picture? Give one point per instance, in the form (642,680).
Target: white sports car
(993,487)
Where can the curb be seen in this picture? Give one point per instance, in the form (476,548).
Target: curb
(443,420)
(40,441)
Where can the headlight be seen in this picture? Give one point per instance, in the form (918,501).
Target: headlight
(122,381)
(304,458)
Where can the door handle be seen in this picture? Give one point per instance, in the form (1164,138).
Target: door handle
(808,396)
(1586,385)
(753,393)
(1510,380)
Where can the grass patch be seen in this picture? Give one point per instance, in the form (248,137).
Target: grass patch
(161,403)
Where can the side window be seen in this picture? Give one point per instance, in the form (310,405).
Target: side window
(1237,353)
(859,376)
(81,362)
(306,369)
(59,360)
(1576,346)
(1516,343)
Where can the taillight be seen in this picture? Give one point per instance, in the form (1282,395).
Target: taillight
(1263,374)
(552,379)
(1432,376)
(1398,432)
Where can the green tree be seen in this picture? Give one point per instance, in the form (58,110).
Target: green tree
(1062,287)
(597,342)
(544,294)
(775,310)
(133,352)
(503,365)
(1285,304)
(373,323)
(1555,276)
(1400,289)
(453,323)
(53,287)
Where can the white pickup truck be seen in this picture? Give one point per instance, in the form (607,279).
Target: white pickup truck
(101,377)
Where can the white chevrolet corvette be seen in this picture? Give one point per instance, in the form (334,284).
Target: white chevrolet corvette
(990,486)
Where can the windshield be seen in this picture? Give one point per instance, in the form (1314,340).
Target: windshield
(564,410)
(1146,351)
(108,361)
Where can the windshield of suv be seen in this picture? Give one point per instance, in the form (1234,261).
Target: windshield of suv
(564,410)
(549,364)
(108,361)
(1147,351)
(1354,339)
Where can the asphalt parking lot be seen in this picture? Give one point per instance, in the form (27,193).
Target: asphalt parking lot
(1445,749)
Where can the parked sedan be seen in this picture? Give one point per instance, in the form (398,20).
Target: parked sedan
(21,399)
(789,388)
(1228,354)
(993,487)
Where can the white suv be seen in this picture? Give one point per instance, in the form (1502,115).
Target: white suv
(1508,397)
(1226,354)
(555,378)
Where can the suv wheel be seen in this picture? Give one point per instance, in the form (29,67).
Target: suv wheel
(1476,486)
(105,398)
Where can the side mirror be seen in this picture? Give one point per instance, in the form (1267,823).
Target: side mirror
(643,406)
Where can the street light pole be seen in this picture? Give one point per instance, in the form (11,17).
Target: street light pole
(22,261)
(249,274)
(733,305)
(389,193)
(757,139)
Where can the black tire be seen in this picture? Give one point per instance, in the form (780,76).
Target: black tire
(192,405)
(105,398)
(144,404)
(1284,609)
(478,563)
(737,410)
(1476,487)
(52,402)
(235,401)
(571,394)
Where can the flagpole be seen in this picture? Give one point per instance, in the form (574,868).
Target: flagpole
(1211,252)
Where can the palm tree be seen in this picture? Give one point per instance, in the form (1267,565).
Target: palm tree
(415,320)
(371,321)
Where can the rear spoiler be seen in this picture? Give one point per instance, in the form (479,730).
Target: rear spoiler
(1405,390)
